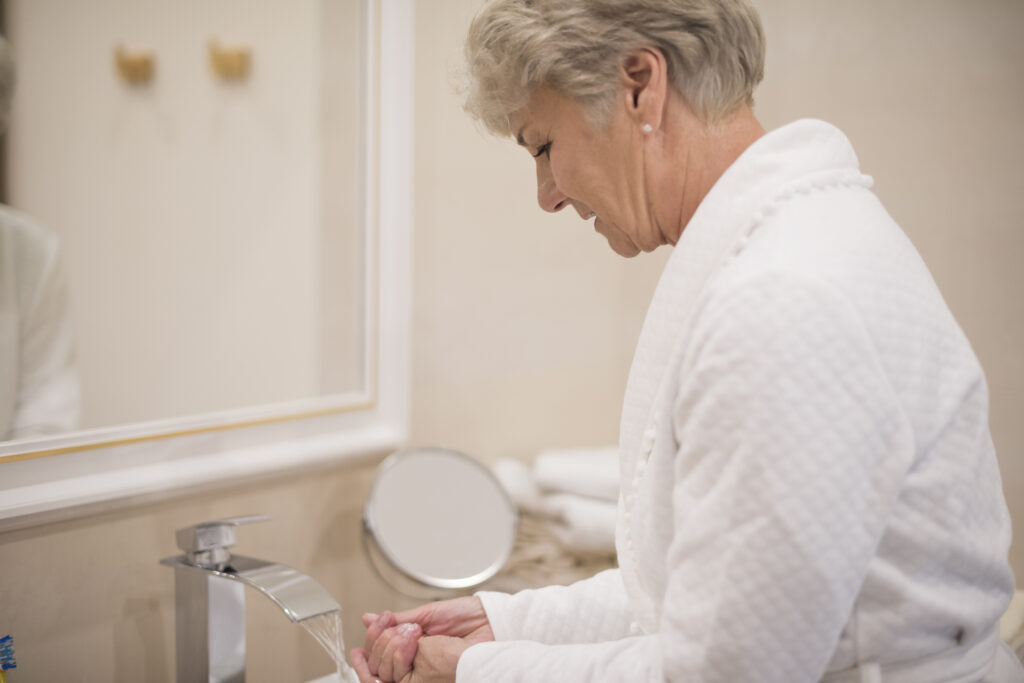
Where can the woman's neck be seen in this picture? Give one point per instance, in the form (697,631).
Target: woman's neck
(696,154)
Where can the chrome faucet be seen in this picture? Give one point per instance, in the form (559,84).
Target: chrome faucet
(209,599)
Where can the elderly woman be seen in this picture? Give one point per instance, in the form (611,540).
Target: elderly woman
(809,487)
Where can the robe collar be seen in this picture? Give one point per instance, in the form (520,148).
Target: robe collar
(731,210)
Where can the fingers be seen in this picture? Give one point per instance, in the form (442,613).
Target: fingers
(358,658)
(395,651)
(405,651)
(384,621)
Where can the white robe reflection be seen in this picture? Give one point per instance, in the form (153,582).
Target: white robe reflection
(39,389)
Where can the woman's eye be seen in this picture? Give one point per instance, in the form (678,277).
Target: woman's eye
(542,150)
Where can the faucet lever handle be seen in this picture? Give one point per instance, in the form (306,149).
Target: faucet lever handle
(236,521)
(206,539)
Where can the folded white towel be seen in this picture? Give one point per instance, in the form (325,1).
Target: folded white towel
(581,524)
(515,477)
(590,472)
(577,501)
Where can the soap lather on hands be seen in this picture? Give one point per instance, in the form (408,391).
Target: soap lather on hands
(421,645)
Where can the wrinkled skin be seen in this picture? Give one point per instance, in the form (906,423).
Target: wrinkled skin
(421,645)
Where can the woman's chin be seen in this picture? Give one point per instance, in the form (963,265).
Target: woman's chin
(623,248)
(617,240)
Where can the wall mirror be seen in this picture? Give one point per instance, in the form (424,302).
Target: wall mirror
(233,280)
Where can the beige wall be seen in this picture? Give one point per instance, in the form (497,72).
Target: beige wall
(86,600)
(524,322)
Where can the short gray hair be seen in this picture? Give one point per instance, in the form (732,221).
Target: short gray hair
(714,50)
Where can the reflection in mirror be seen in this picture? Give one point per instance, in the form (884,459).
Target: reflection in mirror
(440,518)
(39,392)
(211,229)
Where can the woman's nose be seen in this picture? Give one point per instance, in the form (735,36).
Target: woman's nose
(549,196)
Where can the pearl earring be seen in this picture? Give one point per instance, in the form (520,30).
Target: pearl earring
(647,128)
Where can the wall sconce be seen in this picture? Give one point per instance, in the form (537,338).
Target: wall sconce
(134,68)
(230,63)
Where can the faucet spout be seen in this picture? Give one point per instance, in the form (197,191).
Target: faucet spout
(299,596)
(209,600)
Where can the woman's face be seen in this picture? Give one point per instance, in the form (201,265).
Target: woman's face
(599,173)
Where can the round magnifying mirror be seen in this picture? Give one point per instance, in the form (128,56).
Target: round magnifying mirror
(440,518)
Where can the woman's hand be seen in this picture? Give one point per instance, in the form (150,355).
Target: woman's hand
(461,618)
(389,650)
(436,660)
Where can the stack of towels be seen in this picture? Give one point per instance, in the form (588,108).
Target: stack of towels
(574,492)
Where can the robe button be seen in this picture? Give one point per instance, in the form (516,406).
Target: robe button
(634,628)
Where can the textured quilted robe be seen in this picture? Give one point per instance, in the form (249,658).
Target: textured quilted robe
(808,480)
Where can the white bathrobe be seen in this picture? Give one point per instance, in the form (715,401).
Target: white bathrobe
(809,487)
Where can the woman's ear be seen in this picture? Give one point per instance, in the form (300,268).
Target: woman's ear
(644,76)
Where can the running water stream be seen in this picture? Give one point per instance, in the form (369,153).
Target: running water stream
(326,629)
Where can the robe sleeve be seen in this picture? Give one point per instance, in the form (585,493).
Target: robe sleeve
(792,450)
(588,611)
